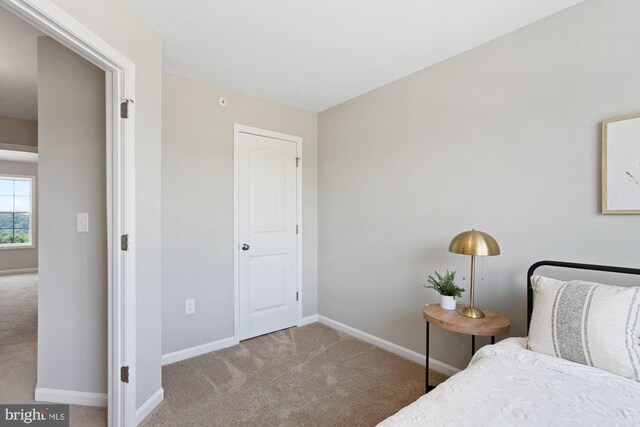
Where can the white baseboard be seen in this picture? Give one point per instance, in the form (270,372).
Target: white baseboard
(416,357)
(188,353)
(149,405)
(18,271)
(198,350)
(308,320)
(83,398)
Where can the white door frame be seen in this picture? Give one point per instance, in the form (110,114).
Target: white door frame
(120,144)
(237,130)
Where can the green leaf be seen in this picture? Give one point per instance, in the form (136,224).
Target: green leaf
(445,285)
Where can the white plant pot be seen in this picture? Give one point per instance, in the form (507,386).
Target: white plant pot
(447,302)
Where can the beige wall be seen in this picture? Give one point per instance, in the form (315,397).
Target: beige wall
(504,138)
(197,204)
(18,131)
(21,258)
(117,23)
(72,281)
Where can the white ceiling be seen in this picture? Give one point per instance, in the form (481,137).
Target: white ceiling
(18,67)
(315,54)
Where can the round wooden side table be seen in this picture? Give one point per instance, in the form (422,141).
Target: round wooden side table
(491,325)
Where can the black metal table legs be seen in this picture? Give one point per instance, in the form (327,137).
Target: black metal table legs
(473,343)
(427,387)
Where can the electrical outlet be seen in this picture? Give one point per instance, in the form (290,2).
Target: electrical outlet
(190,306)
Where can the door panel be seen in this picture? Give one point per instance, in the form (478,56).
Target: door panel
(267,269)
(268,191)
(267,282)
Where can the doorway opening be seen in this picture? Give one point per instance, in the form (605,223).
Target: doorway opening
(115,218)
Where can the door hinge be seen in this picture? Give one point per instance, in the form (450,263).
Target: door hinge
(124,242)
(297,229)
(124,108)
(297,161)
(124,374)
(297,296)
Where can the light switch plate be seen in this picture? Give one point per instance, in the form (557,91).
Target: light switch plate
(83,222)
(190,306)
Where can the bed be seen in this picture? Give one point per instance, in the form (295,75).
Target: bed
(507,384)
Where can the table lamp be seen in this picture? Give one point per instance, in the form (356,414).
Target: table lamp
(474,243)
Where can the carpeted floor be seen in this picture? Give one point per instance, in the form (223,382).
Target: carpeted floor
(18,348)
(309,376)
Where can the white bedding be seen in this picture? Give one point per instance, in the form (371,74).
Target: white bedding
(507,385)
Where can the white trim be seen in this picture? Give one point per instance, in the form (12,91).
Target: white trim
(18,271)
(188,353)
(236,242)
(148,406)
(52,20)
(308,320)
(414,356)
(300,225)
(237,129)
(83,398)
(14,246)
(18,156)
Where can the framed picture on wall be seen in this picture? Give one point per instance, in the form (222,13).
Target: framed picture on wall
(621,165)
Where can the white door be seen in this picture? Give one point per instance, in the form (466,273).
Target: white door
(266,234)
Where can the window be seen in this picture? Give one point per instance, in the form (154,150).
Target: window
(16,204)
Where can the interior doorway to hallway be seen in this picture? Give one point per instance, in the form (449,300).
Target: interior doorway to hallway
(114,220)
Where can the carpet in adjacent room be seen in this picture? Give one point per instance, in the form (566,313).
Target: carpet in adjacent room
(18,348)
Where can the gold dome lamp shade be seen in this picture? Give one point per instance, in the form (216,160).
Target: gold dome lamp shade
(474,243)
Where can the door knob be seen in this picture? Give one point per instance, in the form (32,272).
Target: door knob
(245,247)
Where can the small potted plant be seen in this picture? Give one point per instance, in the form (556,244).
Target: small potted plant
(447,288)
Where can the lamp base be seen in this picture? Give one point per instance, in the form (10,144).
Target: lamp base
(472,312)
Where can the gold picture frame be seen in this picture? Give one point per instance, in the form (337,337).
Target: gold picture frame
(621,165)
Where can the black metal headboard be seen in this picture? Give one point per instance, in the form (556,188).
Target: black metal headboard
(576,266)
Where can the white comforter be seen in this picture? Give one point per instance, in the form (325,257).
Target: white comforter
(507,385)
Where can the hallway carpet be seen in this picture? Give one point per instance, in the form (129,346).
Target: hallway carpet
(18,348)
(308,376)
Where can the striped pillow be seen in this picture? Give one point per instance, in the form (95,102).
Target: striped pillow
(588,323)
